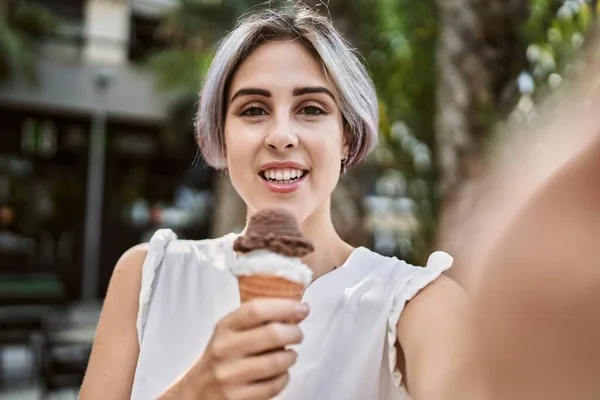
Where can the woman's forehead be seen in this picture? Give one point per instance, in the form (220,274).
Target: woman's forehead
(280,66)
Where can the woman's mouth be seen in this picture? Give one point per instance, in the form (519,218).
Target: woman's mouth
(283,180)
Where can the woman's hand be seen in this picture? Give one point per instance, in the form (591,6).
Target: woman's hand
(247,357)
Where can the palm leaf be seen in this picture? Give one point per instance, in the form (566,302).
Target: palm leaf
(20,31)
(16,55)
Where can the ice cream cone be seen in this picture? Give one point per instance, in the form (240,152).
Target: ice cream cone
(268,286)
(269,257)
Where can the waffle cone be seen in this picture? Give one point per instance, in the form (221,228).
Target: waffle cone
(263,286)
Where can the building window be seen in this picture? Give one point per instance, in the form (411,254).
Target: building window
(144,38)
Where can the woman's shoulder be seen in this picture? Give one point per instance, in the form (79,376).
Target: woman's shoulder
(405,280)
(438,260)
(165,243)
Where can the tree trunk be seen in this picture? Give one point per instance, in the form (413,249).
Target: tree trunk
(347,211)
(479,56)
(230,210)
(3,10)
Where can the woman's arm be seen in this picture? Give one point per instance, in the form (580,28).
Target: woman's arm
(115,351)
(436,339)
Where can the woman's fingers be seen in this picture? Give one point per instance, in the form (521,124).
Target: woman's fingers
(263,390)
(266,338)
(255,341)
(260,312)
(246,356)
(256,368)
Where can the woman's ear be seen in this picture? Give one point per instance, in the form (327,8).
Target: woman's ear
(345,153)
(346,143)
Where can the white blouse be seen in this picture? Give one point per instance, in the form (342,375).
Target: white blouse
(348,351)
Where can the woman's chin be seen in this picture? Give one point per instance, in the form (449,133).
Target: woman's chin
(296,207)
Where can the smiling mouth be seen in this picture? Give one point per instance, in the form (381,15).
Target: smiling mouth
(285,176)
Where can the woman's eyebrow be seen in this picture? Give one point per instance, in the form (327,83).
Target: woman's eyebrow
(299,91)
(250,92)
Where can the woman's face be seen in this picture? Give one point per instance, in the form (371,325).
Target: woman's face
(283,131)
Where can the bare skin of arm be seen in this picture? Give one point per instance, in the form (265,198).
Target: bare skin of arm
(541,335)
(438,357)
(113,360)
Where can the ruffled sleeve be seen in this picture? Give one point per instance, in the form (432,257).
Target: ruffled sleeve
(437,263)
(156,251)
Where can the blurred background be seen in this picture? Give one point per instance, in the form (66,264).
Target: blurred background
(97,99)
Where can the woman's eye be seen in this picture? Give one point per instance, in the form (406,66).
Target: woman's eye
(312,110)
(253,112)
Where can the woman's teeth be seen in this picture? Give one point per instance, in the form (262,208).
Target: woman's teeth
(283,175)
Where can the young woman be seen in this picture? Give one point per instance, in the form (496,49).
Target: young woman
(285,108)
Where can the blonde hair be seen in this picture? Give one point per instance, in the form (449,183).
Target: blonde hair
(354,88)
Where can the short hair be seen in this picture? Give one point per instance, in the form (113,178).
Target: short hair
(353,87)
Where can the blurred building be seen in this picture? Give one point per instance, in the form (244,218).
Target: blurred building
(84,170)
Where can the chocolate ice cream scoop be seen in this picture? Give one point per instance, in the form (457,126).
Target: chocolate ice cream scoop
(275,230)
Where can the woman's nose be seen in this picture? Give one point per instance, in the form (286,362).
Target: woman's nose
(282,135)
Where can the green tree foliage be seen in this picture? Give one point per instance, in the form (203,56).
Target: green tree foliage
(556,32)
(401,57)
(22,25)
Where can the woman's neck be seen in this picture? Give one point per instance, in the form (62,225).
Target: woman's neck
(330,250)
